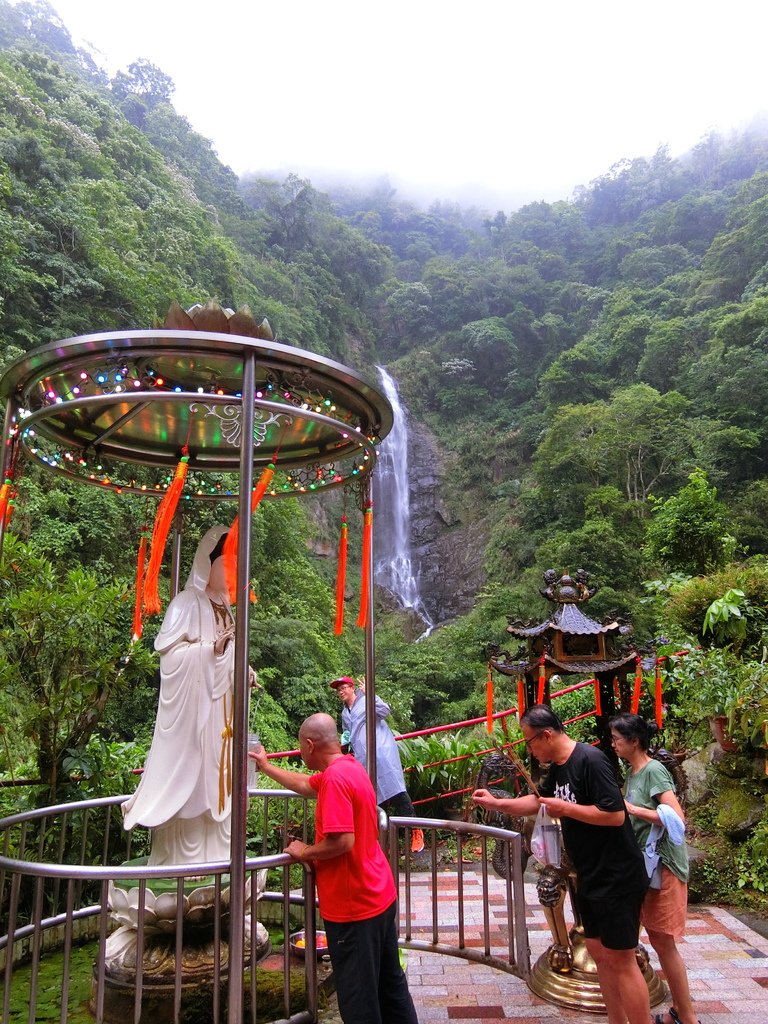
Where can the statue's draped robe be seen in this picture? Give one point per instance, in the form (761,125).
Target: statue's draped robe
(185,791)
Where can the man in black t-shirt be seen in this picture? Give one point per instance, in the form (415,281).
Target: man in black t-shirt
(581,789)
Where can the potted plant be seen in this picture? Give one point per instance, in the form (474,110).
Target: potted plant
(710,687)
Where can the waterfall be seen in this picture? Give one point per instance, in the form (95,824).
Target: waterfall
(392,511)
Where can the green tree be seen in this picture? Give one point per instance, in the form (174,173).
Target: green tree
(636,441)
(409,311)
(490,345)
(689,531)
(64,651)
(140,89)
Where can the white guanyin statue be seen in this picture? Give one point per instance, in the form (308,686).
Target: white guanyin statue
(185,793)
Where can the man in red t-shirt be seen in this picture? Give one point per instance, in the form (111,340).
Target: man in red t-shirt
(354,882)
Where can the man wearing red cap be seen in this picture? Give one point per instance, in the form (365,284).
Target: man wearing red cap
(390,782)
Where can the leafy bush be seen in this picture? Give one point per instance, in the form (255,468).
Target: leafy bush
(104,768)
(573,705)
(689,531)
(752,860)
(444,763)
(687,604)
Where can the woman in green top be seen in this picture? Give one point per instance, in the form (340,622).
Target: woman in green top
(648,784)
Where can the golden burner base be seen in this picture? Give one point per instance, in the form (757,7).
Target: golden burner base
(578,989)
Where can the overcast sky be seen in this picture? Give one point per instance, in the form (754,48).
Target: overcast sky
(496,102)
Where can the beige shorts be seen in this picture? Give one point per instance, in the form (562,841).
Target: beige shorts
(665,910)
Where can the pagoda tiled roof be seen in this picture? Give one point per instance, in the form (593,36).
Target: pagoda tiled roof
(566,618)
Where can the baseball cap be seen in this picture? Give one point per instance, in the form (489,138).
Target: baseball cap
(336,683)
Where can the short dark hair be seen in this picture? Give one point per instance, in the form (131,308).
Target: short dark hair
(539,716)
(633,727)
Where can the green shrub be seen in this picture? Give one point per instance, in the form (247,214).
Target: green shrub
(445,763)
(687,605)
(752,860)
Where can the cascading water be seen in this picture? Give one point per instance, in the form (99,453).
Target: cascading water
(392,511)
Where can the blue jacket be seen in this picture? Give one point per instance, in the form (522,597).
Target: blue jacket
(389,771)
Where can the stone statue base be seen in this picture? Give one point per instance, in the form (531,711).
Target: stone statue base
(162,905)
(570,979)
(198,958)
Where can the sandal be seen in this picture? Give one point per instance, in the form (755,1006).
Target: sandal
(659,1018)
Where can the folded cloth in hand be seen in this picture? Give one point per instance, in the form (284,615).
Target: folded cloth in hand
(673,823)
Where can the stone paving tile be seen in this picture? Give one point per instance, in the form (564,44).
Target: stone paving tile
(727,962)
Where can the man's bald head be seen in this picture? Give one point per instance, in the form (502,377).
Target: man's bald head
(321,729)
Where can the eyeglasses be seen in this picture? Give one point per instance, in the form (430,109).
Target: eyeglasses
(535,736)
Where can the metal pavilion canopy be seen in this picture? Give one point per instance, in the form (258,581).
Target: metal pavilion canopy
(98,407)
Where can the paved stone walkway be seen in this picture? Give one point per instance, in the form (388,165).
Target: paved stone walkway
(727,966)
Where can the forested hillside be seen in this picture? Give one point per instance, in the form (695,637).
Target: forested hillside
(594,371)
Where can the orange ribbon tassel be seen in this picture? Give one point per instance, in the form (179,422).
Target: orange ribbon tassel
(141,558)
(542,681)
(598,703)
(657,695)
(166,510)
(365,574)
(520,696)
(341,577)
(635,706)
(489,700)
(5,495)
(230,544)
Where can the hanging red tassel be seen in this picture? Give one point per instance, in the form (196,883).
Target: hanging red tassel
(635,706)
(657,695)
(598,702)
(138,625)
(520,696)
(542,681)
(5,496)
(489,700)
(365,574)
(341,577)
(166,510)
(230,544)
(10,509)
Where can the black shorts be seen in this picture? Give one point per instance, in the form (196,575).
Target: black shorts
(614,920)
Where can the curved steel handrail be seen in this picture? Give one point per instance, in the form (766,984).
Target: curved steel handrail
(39,871)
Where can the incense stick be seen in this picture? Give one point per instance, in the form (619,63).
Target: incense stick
(514,757)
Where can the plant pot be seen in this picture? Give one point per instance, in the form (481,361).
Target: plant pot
(719,727)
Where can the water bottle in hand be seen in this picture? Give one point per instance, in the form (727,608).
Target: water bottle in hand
(254,745)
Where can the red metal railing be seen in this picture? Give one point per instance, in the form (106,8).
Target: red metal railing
(501,716)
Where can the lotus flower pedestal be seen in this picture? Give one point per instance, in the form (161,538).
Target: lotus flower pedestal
(199,954)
